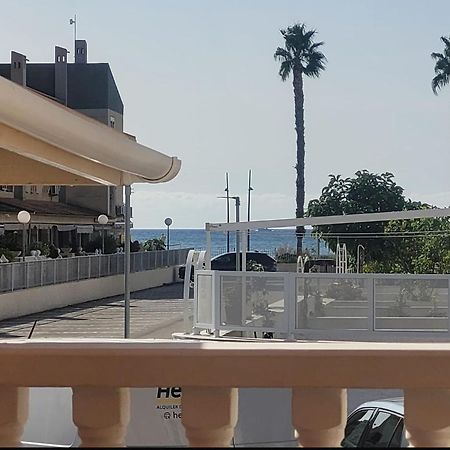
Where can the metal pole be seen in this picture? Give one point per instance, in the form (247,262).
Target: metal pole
(168,238)
(127,260)
(24,242)
(238,235)
(248,205)
(227,189)
(208,252)
(103,239)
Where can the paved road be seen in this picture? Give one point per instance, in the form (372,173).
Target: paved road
(155,313)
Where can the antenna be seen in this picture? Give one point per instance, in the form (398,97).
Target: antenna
(74,23)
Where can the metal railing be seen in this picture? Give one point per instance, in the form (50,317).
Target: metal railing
(43,272)
(293,304)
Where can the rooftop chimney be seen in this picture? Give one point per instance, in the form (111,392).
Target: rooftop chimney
(18,68)
(80,51)
(61,74)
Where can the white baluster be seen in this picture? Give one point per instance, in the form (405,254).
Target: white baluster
(209,415)
(101,415)
(13,415)
(427,417)
(319,416)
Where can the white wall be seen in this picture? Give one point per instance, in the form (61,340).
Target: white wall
(33,300)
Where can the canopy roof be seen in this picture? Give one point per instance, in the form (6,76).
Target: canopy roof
(45,143)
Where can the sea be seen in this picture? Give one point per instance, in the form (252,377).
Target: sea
(262,240)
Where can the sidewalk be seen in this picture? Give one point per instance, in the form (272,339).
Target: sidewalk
(155,313)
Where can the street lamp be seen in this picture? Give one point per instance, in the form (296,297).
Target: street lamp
(24,218)
(102,219)
(237,199)
(168,222)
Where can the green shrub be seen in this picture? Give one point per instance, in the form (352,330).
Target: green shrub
(155,244)
(42,246)
(11,241)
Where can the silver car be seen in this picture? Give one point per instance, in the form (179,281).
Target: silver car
(376,424)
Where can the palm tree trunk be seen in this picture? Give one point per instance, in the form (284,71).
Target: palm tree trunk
(300,166)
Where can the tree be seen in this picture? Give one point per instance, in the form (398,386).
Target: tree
(365,193)
(442,67)
(396,246)
(426,250)
(300,56)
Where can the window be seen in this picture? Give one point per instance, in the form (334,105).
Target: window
(112,122)
(396,440)
(5,188)
(381,431)
(355,428)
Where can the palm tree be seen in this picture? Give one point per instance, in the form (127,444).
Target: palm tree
(300,56)
(442,67)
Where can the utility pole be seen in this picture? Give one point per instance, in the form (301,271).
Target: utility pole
(227,190)
(238,234)
(237,199)
(248,205)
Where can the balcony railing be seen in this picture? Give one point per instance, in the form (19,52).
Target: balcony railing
(100,374)
(28,274)
(312,305)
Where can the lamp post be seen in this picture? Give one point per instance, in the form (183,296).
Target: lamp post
(168,222)
(24,218)
(102,219)
(248,205)
(237,200)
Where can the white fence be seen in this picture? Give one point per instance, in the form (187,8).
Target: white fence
(323,305)
(22,275)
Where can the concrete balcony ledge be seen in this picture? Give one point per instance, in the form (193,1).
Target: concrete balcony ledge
(101,371)
(143,363)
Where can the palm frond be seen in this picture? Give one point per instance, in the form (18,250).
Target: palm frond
(439,81)
(315,65)
(437,55)
(446,41)
(282,54)
(442,65)
(285,70)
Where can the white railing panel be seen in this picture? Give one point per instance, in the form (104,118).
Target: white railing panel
(332,302)
(203,300)
(253,300)
(408,303)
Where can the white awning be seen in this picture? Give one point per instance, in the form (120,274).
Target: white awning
(45,143)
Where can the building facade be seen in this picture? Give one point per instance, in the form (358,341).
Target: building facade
(62,215)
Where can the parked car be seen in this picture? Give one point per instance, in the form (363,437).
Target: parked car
(376,424)
(227,261)
(321,265)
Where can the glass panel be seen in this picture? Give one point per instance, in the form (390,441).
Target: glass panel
(356,427)
(204,299)
(411,304)
(396,440)
(332,303)
(259,302)
(381,430)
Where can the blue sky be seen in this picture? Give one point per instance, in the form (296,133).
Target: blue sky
(198,81)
